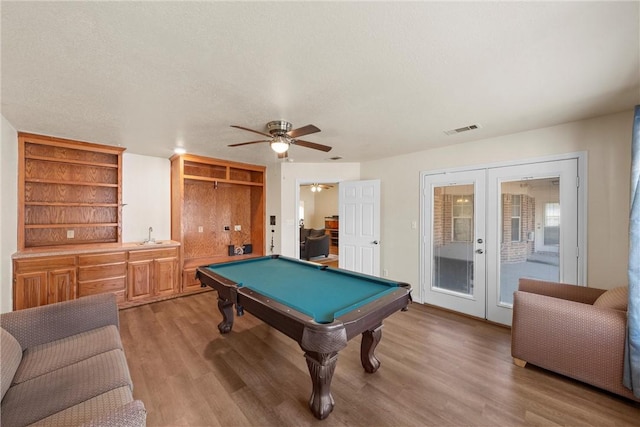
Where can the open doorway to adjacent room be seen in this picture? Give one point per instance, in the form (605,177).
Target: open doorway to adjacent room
(319,222)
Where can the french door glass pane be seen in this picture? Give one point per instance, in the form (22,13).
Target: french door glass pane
(530,243)
(453,233)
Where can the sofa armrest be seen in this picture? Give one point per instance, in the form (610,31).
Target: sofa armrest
(39,325)
(571,338)
(131,415)
(560,290)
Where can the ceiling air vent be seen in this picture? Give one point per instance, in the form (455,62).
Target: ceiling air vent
(462,129)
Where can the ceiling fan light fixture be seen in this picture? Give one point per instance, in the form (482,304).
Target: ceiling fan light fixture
(279,144)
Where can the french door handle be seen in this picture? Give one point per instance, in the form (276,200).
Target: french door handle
(479,251)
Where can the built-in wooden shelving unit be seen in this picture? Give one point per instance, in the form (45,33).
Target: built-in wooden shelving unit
(69,192)
(208,195)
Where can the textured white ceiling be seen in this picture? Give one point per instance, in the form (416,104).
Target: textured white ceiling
(378,78)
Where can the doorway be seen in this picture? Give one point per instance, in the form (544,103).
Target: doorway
(318,210)
(485,228)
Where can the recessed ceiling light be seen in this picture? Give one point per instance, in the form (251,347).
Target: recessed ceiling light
(180,150)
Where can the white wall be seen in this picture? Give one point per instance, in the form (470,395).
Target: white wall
(294,174)
(8,211)
(146,191)
(318,205)
(607,140)
(326,203)
(273,208)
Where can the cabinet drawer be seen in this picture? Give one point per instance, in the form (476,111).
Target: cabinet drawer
(105,271)
(101,287)
(45,263)
(153,254)
(108,258)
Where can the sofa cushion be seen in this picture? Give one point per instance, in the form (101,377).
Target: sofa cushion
(89,409)
(11,355)
(316,233)
(54,355)
(616,298)
(47,394)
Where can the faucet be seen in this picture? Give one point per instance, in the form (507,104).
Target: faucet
(149,240)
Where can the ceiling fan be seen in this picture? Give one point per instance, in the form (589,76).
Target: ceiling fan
(316,188)
(281,137)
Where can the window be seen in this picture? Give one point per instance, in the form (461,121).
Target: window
(462,218)
(516,212)
(551,224)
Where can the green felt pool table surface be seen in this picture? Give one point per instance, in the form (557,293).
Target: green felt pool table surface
(318,291)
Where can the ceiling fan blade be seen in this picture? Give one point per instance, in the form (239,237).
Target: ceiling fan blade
(247,143)
(304,130)
(251,130)
(313,145)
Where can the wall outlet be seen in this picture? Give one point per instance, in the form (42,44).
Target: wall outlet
(414,225)
(237,227)
(70,234)
(227,228)
(385,272)
(200,229)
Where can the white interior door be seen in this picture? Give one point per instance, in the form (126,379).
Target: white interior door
(359,227)
(532,229)
(453,246)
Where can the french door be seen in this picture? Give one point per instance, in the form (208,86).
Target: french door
(483,229)
(454,265)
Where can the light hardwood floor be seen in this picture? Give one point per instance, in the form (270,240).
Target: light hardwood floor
(438,369)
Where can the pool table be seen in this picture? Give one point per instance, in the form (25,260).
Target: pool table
(320,307)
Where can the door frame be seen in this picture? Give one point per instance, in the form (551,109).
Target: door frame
(582,159)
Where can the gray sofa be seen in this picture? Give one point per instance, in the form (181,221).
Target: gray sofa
(63,365)
(313,243)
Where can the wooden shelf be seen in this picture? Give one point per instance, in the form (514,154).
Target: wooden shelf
(104,205)
(60,181)
(97,224)
(72,162)
(229,181)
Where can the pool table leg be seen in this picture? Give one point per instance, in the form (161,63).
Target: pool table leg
(370,340)
(321,367)
(226,309)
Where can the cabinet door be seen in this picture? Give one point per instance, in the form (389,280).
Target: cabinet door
(166,276)
(189,281)
(30,290)
(139,280)
(61,285)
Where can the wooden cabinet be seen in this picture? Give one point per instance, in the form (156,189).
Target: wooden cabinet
(101,273)
(152,273)
(69,192)
(134,273)
(215,204)
(331,226)
(41,281)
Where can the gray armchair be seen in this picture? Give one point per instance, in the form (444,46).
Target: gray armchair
(313,243)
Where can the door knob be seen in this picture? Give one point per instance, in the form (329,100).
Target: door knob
(375,242)
(479,251)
